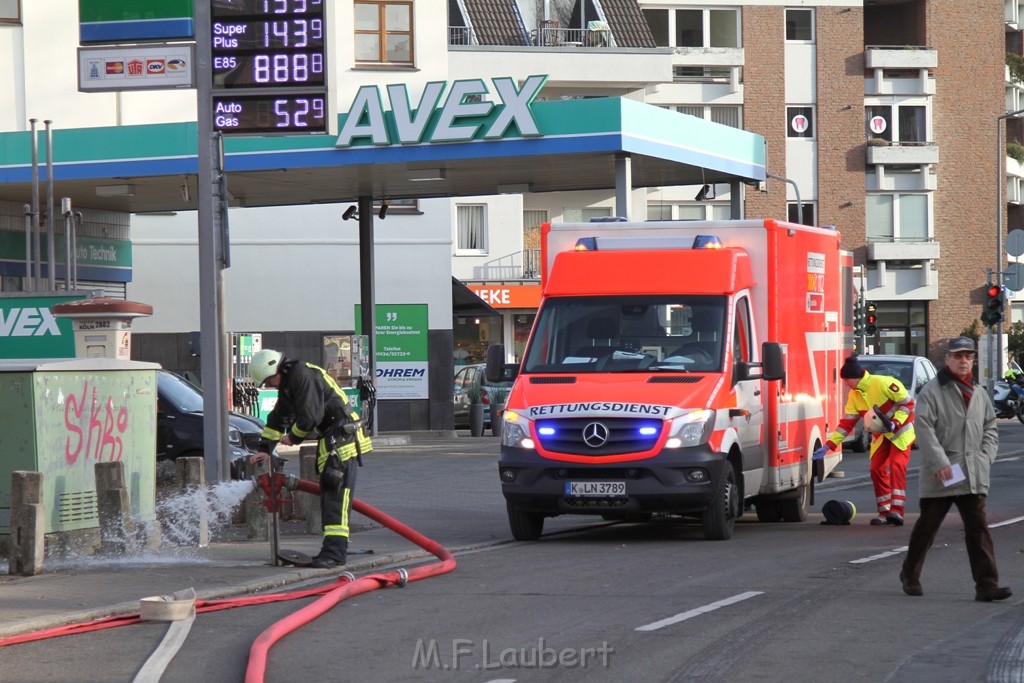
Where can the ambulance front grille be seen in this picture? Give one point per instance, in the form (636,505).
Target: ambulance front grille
(599,436)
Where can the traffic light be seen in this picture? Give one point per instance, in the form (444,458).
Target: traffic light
(858,317)
(870,319)
(995,303)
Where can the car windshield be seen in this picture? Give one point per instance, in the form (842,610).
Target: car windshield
(628,334)
(903,371)
(184,396)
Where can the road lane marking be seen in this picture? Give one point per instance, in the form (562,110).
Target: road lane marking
(1008,522)
(683,616)
(880,556)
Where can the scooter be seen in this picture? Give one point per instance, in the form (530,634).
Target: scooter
(1008,395)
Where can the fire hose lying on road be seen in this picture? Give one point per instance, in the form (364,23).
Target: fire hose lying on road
(330,595)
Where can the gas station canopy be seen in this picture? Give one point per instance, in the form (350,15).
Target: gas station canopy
(573,145)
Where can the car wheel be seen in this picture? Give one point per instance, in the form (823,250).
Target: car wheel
(719,519)
(795,509)
(767,511)
(525,526)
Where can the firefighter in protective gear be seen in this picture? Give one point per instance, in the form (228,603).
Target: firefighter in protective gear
(310,404)
(891,405)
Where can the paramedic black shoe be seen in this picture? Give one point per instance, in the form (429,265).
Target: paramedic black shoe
(880,521)
(991,594)
(322,561)
(895,518)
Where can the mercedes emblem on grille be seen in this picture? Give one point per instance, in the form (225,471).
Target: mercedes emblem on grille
(595,435)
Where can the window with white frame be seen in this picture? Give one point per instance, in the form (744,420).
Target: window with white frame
(694,27)
(800,122)
(898,217)
(585,214)
(660,211)
(807,217)
(897,122)
(725,114)
(383,31)
(800,25)
(472,228)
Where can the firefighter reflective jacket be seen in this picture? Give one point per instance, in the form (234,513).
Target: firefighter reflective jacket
(309,400)
(889,394)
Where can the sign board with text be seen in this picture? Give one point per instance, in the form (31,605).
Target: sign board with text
(401,358)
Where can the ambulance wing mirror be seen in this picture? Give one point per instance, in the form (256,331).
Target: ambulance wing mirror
(497,370)
(770,367)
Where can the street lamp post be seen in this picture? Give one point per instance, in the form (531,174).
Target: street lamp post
(1000,208)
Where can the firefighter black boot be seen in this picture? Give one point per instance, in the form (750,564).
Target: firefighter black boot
(332,553)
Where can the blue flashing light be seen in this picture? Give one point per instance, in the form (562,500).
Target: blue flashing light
(586,244)
(648,431)
(546,431)
(707,242)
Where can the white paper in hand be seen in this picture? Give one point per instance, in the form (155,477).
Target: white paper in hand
(958,475)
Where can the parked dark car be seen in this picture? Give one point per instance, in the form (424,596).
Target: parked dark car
(179,422)
(912,371)
(468,376)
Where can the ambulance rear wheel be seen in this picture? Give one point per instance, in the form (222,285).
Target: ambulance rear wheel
(525,526)
(719,519)
(767,510)
(795,509)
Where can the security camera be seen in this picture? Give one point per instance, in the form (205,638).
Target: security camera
(383,211)
(350,213)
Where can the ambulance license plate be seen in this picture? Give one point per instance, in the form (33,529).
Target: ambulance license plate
(595,488)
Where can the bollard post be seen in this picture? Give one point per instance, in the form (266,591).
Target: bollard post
(309,503)
(256,515)
(28,523)
(191,473)
(112,505)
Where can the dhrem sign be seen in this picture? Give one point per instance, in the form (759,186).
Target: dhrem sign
(466,113)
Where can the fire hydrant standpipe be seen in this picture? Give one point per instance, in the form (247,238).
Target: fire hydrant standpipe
(271,485)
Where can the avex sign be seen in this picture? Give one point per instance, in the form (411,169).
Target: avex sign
(29,330)
(466,112)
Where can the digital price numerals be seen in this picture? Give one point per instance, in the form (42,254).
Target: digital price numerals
(261,34)
(268,69)
(270,114)
(231,8)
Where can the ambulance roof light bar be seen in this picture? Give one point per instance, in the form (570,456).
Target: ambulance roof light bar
(629,243)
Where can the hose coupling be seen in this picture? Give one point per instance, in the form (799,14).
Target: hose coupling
(403,577)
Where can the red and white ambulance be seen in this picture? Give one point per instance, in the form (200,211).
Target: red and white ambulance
(688,368)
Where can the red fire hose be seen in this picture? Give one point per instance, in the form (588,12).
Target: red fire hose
(330,595)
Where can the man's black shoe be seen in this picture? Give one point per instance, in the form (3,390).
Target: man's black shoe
(326,562)
(894,518)
(879,521)
(910,587)
(991,594)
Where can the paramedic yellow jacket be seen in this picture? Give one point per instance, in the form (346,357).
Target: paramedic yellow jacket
(889,394)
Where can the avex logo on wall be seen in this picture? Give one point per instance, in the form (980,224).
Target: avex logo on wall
(29,330)
(465,115)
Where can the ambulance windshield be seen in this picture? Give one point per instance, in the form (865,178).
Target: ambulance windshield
(662,333)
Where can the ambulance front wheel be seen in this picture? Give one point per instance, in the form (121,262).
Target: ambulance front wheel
(719,519)
(525,526)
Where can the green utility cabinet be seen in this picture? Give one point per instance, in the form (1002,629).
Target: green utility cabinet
(61,417)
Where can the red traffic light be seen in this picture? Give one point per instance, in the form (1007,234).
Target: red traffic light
(994,291)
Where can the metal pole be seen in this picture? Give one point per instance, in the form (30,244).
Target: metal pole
(51,276)
(36,265)
(27,211)
(76,228)
(366,293)
(215,434)
(796,190)
(65,206)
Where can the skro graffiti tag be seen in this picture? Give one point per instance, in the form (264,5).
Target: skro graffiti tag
(101,437)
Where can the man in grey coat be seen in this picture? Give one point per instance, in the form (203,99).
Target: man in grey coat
(956,433)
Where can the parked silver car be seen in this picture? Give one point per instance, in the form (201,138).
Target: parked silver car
(466,377)
(912,371)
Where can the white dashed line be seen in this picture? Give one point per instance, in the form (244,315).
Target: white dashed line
(699,611)
(880,556)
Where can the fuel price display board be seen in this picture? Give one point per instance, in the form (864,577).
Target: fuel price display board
(271,56)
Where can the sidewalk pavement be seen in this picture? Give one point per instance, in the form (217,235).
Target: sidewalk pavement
(410,481)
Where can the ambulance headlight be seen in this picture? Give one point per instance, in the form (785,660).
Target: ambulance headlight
(515,431)
(692,429)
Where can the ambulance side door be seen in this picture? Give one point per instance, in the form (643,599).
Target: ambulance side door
(749,414)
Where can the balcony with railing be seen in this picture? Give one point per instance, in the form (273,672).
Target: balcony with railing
(881,151)
(899,70)
(519,265)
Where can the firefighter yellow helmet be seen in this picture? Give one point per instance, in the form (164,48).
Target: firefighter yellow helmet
(264,365)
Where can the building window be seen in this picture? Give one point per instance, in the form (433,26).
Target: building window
(688,212)
(10,12)
(800,122)
(472,237)
(808,216)
(897,123)
(659,212)
(383,31)
(584,215)
(902,328)
(800,25)
(694,27)
(727,115)
(898,217)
